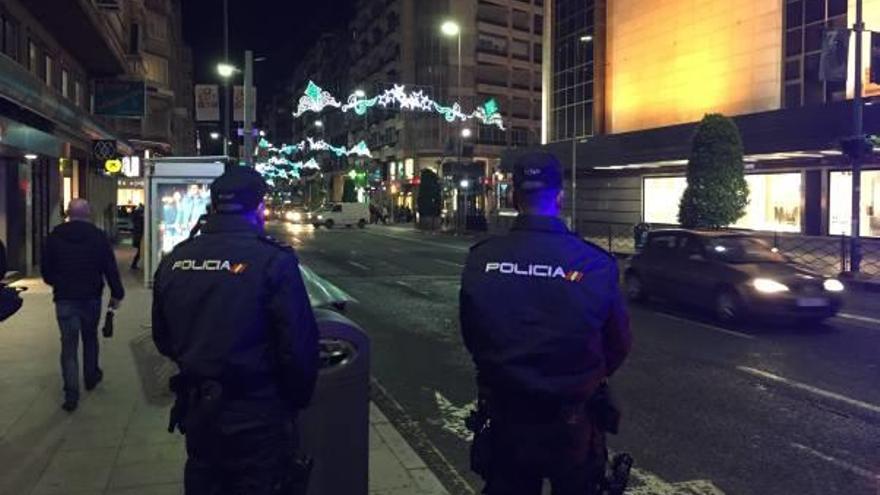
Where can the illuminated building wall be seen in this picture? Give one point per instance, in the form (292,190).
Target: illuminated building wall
(871,14)
(671,62)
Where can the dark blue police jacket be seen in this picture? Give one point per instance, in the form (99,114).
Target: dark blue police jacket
(231,305)
(542,313)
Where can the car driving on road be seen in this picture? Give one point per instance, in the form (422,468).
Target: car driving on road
(734,274)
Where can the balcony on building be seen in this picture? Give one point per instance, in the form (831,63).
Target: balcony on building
(492,14)
(93,35)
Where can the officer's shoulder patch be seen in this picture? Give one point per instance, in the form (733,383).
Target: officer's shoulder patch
(276,243)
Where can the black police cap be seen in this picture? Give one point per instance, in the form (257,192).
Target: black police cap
(537,170)
(238,190)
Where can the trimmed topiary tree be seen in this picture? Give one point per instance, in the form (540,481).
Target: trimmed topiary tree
(349,194)
(717,192)
(429,202)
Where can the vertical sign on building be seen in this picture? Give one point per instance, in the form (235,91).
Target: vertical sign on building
(238,103)
(207,102)
(875,58)
(835,51)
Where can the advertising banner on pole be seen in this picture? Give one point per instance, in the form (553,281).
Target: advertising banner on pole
(238,103)
(207,102)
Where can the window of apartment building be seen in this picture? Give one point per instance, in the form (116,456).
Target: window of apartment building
(805,21)
(134,39)
(65,83)
(48,67)
(572,98)
(78,94)
(519,49)
(539,24)
(157,68)
(33,57)
(492,44)
(9,38)
(537,53)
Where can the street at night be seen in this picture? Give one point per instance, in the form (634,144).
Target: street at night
(756,409)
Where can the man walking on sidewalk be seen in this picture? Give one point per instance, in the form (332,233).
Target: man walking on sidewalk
(77,258)
(230,308)
(137,234)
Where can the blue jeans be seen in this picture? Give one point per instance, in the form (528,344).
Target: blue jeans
(78,318)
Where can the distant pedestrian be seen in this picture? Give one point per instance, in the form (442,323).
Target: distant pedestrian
(76,261)
(137,233)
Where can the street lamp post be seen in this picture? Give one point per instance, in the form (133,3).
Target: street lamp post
(451,28)
(855,260)
(228,96)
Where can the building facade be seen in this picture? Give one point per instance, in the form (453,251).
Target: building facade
(54,55)
(400,42)
(626,81)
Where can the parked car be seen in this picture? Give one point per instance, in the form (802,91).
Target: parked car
(735,275)
(342,214)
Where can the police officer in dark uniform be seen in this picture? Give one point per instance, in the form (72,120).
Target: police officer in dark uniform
(543,318)
(230,308)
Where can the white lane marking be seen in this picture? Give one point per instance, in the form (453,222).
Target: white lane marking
(426,243)
(449,263)
(863,319)
(358,265)
(811,389)
(410,287)
(452,418)
(732,333)
(860,471)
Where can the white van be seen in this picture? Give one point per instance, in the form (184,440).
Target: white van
(342,214)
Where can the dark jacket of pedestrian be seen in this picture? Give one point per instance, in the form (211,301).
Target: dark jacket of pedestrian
(3,266)
(77,259)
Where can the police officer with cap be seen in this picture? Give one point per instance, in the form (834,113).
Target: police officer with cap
(231,310)
(543,317)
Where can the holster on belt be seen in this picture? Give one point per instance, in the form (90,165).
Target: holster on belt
(196,402)
(604,408)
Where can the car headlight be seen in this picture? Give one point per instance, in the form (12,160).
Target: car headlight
(320,217)
(833,285)
(768,286)
(267,212)
(289,216)
(296,216)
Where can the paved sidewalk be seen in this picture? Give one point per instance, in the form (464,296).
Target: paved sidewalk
(116,442)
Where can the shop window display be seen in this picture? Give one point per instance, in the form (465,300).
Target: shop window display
(840,205)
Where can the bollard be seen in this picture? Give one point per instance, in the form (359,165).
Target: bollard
(334,429)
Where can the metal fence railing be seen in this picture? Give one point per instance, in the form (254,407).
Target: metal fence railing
(828,255)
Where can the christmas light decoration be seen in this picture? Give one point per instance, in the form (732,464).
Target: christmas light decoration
(317,100)
(310,145)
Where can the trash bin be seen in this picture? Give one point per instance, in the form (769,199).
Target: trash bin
(334,429)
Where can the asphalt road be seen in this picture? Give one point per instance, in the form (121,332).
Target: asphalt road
(755,410)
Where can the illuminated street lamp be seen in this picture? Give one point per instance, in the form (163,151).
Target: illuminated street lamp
(319,124)
(215,135)
(466,133)
(450,28)
(587,38)
(30,157)
(226,70)
(359,93)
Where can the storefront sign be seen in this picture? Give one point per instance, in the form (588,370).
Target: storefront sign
(104,149)
(121,98)
(131,166)
(113,166)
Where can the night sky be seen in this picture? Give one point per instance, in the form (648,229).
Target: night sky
(282,30)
